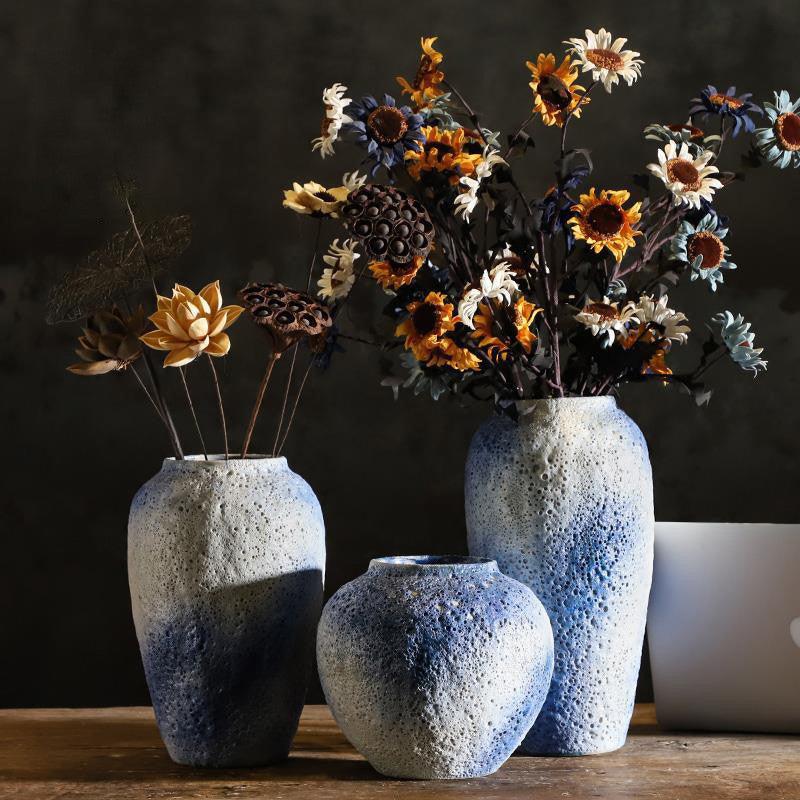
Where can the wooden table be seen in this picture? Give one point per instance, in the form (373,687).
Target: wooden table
(116,754)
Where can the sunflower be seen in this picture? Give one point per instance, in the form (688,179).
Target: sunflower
(686,175)
(780,143)
(701,247)
(605,319)
(740,341)
(443,152)
(189,324)
(606,60)
(726,104)
(656,349)
(425,86)
(523,314)
(602,221)
(555,93)
(385,129)
(427,322)
(313,198)
(446,353)
(392,275)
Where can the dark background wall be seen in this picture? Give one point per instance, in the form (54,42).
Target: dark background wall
(210,105)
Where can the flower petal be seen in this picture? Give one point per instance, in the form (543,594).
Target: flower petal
(219,345)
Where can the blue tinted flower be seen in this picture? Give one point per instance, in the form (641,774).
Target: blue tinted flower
(385,129)
(701,247)
(780,143)
(726,104)
(738,338)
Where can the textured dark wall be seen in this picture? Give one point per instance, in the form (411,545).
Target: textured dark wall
(210,105)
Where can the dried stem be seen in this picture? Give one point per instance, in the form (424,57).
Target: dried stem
(468,109)
(570,114)
(294,407)
(221,407)
(147,393)
(194,414)
(262,387)
(314,256)
(285,399)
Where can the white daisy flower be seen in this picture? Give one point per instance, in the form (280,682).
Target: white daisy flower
(605,319)
(739,340)
(606,60)
(335,104)
(466,201)
(687,177)
(352,180)
(338,278)
(495,284)
(656,312)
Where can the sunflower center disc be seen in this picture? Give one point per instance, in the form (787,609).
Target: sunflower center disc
(721,99)
(425,319)
(605,59)
(787,127)
(554,92)
(606,219)
(681,171)
(602,310)
(709,246)
(387,124)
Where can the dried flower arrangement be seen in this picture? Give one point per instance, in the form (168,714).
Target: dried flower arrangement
(506,296)
(187,326)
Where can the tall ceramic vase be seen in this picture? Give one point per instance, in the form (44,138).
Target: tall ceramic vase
(225,564)
(562,499)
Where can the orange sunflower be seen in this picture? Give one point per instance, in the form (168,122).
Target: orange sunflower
(427,322)
(524,313)
(425,86)
(555,93)
(445,152)
(601,221)
(446,353)
(392,275)
(656,364)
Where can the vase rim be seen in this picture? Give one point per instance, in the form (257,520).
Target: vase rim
(433,564)
(218,461)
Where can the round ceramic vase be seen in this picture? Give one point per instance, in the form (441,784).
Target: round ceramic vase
(434,666)
(562,499)
(225,565)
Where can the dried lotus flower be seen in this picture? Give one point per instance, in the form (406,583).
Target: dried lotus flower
(110,342)
(286,315)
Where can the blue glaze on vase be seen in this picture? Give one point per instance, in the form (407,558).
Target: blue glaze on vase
(226,563)
(563,500)
(434,666)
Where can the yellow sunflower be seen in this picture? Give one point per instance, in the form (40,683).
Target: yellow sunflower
(392,275)
(446,353)
(656,364)
(445,152)
(555,93)
(524,313)
(313,198)
(601,221)
(427,322)
(425,86)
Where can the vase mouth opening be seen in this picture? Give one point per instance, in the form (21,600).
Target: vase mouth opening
(218,461)
(432,563)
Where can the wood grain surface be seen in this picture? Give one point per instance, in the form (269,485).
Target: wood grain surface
(116,754)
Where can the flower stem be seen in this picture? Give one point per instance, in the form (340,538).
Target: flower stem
(294,407)
(194,415)
(569,115)
(221,407)
(148,395)
(314,257)
(262,387)
(285,399)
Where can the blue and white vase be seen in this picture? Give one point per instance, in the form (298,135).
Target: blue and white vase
(225,565)
(434,666)
(562,499)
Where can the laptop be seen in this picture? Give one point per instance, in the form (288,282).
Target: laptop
(724,626)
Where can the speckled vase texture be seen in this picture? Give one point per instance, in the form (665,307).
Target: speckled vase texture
(563,500)
(225,565)
(434,666)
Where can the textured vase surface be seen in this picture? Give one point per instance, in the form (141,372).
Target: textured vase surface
(434,666)
(563,500)
(225,565)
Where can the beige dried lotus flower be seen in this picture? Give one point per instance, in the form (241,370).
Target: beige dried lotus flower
(110,342)
(189,324)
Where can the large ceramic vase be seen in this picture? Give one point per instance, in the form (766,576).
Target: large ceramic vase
(434,666)
(563,500)
(225,564)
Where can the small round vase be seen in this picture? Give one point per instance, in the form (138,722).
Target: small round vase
(434,666)
(563,500)
(225,564)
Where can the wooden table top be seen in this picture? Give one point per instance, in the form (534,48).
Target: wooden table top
(116,753)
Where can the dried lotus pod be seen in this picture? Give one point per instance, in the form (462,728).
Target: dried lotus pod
(286,315)
(110,341)
(389,223)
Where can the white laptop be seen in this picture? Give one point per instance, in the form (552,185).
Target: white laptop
(724,626)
